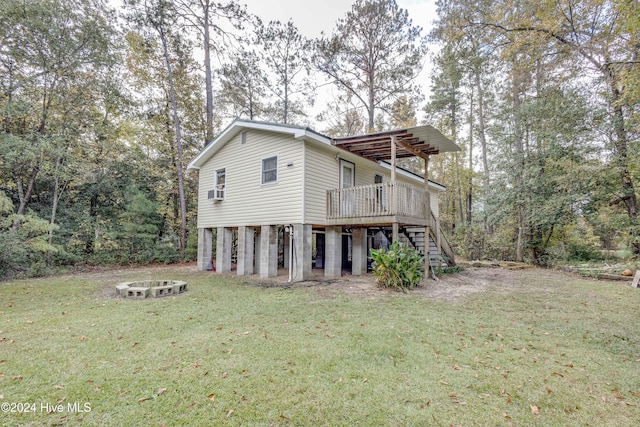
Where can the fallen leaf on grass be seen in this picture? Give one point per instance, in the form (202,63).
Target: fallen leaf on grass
(161,390)
(212,397)
(58,387)
(83,338)
(143,399)
(17,377)
(535,410)
(231,411)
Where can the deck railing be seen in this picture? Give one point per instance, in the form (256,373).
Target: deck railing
(378,200)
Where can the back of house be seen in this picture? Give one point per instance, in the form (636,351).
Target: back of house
(280,196)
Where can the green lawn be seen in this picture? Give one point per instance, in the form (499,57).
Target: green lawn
(541,349)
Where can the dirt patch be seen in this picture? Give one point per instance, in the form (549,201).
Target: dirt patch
(454,287)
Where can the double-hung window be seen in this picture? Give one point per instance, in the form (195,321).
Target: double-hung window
(221,175)
(270,170)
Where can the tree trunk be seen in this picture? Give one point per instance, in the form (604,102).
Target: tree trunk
(620,142)
(482,128)
(176,123)
(519,158)
(470,188)
(207,76)
(57,193)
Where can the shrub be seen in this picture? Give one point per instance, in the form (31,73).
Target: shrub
(399,267)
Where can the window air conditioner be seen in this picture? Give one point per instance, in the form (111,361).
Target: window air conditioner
(216,195)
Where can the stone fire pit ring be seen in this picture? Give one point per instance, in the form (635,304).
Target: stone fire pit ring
(142,289)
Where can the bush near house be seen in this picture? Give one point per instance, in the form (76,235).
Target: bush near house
(399,267)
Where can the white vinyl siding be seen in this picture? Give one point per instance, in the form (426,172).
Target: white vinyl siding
(322,173)
(248,202)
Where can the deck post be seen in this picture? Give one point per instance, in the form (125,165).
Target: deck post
(223,250)
(394,193)
(333,252)
(245,251)
(268,251)
(205,248)
(359,258)
(427,259)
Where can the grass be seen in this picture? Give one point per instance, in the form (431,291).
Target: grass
(555,350)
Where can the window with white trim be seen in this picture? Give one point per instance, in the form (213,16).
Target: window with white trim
(270,170)
(221,176)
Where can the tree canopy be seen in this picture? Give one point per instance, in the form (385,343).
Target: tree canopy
(101,108)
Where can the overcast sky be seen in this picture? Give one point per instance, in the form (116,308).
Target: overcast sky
(313,17)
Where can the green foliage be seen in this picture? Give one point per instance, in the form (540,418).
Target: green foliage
(24,244)
(399,267)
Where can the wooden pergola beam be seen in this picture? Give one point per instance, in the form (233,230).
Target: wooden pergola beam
(411,149)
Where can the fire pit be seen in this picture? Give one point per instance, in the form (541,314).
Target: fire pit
(142,289)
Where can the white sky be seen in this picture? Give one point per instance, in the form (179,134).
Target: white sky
(313,17)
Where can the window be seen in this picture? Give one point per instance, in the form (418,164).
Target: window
(220,183)
(270,170)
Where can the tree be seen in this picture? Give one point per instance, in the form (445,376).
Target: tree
(286,53)
(160,16)
(204,16)
(139,223)
(52,58)
(374,54)
(596,36)
(243,86)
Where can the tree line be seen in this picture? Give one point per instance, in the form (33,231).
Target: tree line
(101,109)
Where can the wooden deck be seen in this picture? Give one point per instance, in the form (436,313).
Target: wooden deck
(379,204)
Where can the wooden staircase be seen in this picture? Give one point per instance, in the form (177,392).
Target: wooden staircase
(415,237)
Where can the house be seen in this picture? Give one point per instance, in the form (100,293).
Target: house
(285,195)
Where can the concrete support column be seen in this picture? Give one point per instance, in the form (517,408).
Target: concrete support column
(245,251)
(257,247)
(360,252)
(286,250)
(269,251)
(223,250)
(301,252)
(205,248)
(333,252)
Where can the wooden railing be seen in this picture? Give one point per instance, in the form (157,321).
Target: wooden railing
(378,200)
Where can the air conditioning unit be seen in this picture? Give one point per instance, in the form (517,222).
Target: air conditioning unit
(216,195)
